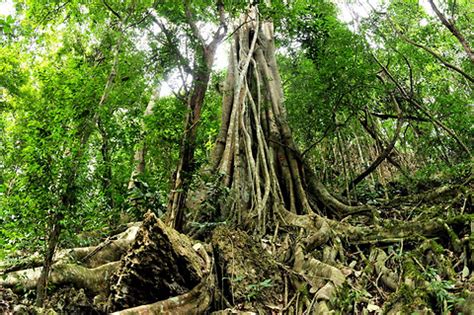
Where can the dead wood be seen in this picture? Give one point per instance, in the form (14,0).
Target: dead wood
(160,264)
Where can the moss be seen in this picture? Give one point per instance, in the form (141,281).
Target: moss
(345,299)
(410,300)
(411,270)
(248,272)
(437,248)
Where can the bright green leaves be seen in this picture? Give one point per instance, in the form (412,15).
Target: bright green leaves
(329,78)
(6,25)
(49,142)
(12,73)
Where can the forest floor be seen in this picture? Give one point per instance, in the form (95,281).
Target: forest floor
(416,255)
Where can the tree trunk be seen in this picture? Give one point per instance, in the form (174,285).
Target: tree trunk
(105,151)
(255,149)
(185,168)
(204,57)
(186,165)
(140,152)
(53,240)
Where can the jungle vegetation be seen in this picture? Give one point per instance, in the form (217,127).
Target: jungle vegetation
(324,168)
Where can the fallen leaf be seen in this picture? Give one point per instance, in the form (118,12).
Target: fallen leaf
(373,307)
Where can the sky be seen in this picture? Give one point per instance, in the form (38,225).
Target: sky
(6,8)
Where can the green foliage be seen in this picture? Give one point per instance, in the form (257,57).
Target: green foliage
(143,198)
(57,144)
(255,290)
(51,152)
(346,299)
(438,289)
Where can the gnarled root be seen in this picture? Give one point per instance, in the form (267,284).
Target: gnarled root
(162,265)
(197,301)
(92,279)
(86,267)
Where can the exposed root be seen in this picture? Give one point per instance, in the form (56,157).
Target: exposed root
(86,267)
(302,266)
(109,250)
(196,301)
(160,264)
(386,276)
(94,279)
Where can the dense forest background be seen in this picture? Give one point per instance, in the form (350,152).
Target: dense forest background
(118,112)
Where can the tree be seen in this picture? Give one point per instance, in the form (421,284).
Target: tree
(201,72)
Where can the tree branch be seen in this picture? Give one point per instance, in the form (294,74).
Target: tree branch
(453,30)
(419,106)
(182,60)
(385,153)
(112,10)
(390,116)
(428,50)
(222,30)
(192,23)
(437,56)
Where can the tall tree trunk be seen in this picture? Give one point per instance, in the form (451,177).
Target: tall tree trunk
(53,240)
(255,149)
(186,165)
(107,164)
(255,152)
(202,71)
(68,200)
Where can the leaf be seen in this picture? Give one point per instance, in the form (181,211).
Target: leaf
(373,308)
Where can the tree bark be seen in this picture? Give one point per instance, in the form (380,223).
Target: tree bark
(140,152)
(205,54)
(161,263)
(42,283)
(384,154)
(105,151)
(452,28)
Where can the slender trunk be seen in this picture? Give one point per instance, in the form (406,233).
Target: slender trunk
(343,159)
(140,152)
(53,241)
(186,165)
(107,164)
